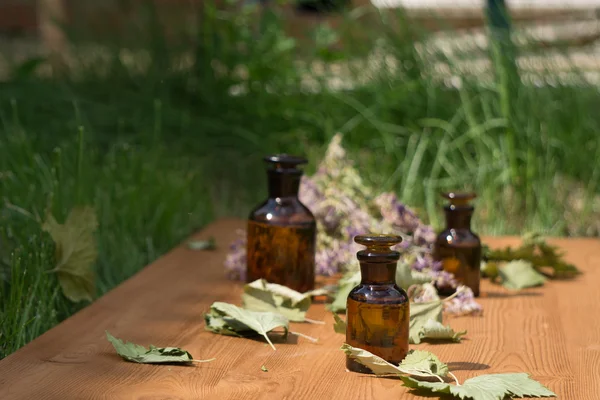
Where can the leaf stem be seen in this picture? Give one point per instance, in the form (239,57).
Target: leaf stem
(269,340)
(312,339)
(312,321)
(203,361)
(455,379)
(453,295)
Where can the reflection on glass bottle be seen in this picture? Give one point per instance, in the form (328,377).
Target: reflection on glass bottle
(282,231)
(377,313)
(457,247)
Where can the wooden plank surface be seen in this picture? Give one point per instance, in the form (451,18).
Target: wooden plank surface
(551,332)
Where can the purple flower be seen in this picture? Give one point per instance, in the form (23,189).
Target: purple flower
(422,293)
(396,213)
(236,260)
(463,303)
(309,194)
(336,257)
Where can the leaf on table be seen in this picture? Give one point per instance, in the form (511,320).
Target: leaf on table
(209,244)
(154,355)
(228,319)
(264,369)
(420,313)
(520,274)
(417,363)
(424,364)
(261,295)
(375,363)
(348,282)
(486,387)
(75,252)
(340,325)
(538,252)
(435,330)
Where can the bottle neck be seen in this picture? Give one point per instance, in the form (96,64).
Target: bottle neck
(458,218)
(283,184)
(378,273)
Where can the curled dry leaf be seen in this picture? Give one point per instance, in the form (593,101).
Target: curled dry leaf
(154,355)
(520,274)
(416,363)
(485,387)
(261,295)
(228,319)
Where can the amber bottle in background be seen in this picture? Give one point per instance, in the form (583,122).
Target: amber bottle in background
(282,231)
(377,313)
(457,247)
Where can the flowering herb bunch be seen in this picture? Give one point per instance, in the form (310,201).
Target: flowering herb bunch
(344,206)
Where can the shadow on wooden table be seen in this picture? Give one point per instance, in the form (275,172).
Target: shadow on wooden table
(503,295)
(466,366)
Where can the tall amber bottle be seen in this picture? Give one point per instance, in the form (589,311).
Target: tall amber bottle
(282,231)
(457,247)
(377,312)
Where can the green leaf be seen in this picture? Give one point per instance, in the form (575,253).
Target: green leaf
(486,387)
(340,325)
(348,282)
(423,363)
(271,297)
(417,363)
(420,313)
(435,330)
(227,319)
(520,274)
(540,254)
(264,369)
(406,277)
(209,244)
(153,355)
(75,252)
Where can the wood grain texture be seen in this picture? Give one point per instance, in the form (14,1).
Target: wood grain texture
(551,332)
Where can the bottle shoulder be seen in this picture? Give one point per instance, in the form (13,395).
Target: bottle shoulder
(379,294)
(458,236)
(282,211)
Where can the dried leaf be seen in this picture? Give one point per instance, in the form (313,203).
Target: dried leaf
(424,364)
(406,277)
(420,313)
(153,355)
(264,369)
(75,252)
(486,387)
(228,319)
(539,253)
(348,282)
(270,297)
(209,244)
(434,330)
(417,363)
(340,325)
(519,274)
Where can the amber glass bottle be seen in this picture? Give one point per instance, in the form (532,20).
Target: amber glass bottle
(457,247)
(282,231)
(377,313)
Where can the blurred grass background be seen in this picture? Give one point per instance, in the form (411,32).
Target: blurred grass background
(163,132)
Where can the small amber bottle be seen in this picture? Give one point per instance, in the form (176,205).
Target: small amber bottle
(377,312)
(457,247)
(282,231)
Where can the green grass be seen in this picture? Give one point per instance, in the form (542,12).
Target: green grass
(161,151)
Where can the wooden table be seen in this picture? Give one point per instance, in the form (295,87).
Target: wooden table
(551,332)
